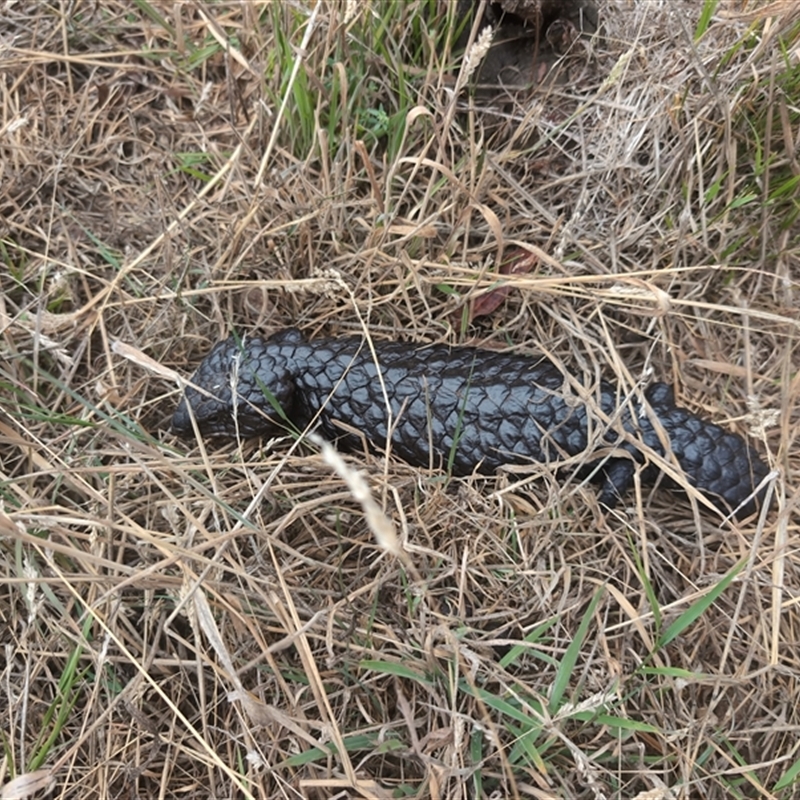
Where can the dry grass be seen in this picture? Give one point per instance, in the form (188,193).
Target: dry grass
(196,622)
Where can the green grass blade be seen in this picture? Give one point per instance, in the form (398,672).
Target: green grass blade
(534,636)
(788,777)
(649,591)
(352,744)
(567,666)
(400,670)
(709,7)
(153,14)
(696,610)
(476,755)
(672,672)
(506,707)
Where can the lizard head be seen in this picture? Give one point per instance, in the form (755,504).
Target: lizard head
(242,388)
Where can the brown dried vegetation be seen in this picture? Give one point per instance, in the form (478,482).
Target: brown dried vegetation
(188,621)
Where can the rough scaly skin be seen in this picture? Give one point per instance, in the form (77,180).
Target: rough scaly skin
(464,408)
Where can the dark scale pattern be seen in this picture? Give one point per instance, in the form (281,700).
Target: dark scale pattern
(481,408)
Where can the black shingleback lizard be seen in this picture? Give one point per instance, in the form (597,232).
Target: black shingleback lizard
(471,409)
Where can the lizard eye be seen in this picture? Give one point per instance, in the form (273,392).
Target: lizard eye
(214,422)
